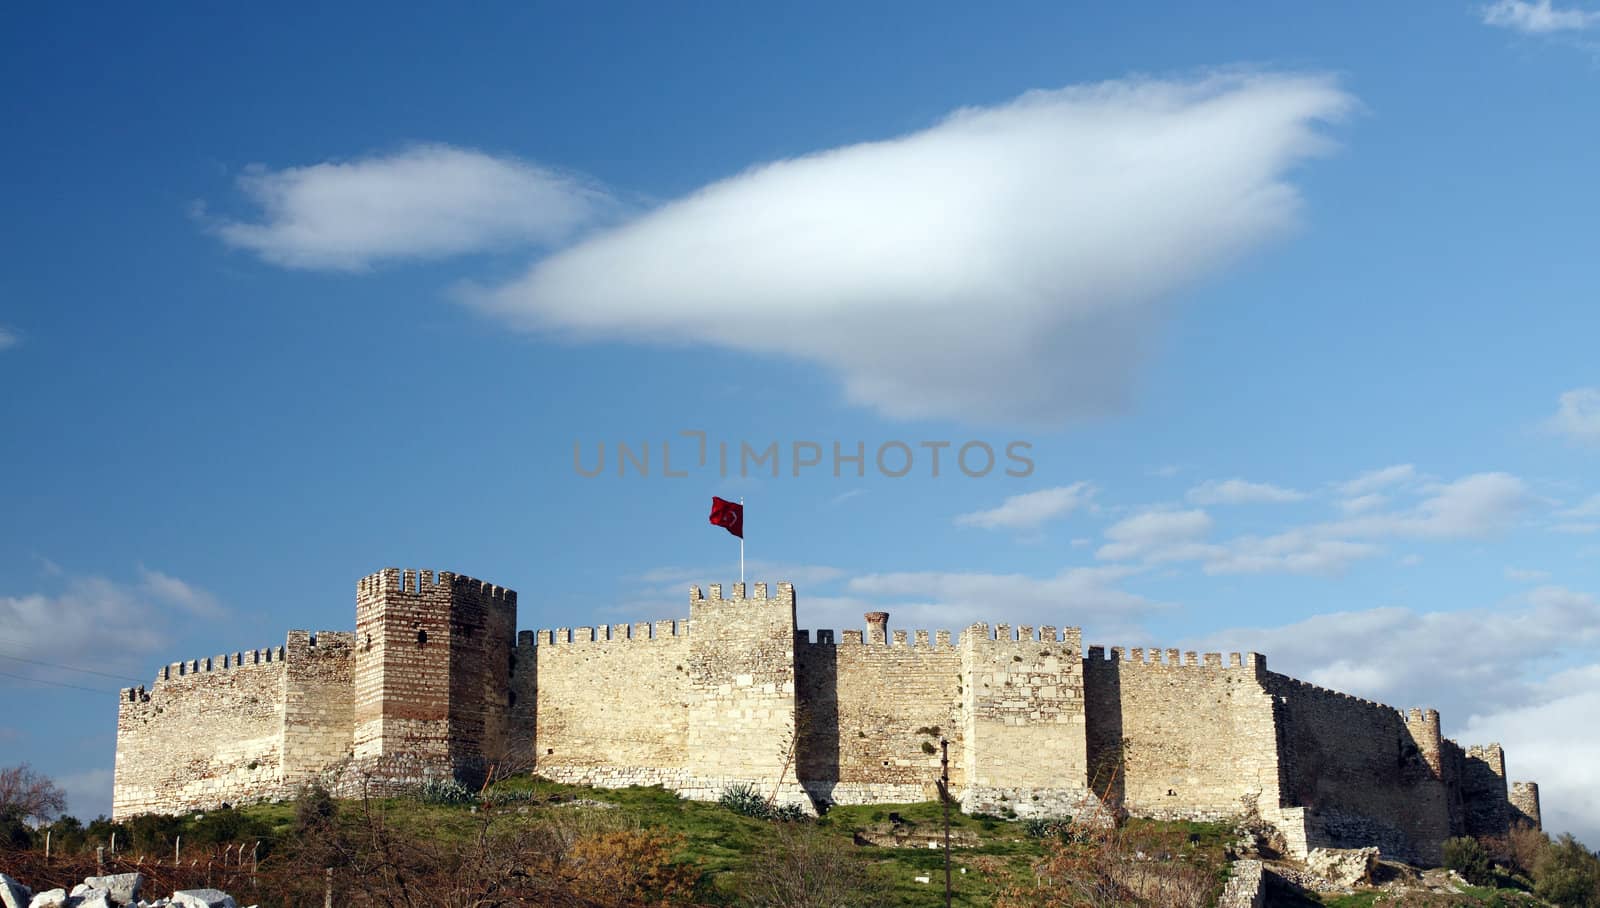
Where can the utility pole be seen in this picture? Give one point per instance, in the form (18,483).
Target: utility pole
(944,799)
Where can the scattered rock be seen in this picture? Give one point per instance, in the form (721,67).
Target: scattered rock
(1343,867)
(13,894)
(50,898)
(123,888)
(203,898)
(92,897)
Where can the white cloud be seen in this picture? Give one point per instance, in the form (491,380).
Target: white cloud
(1032,243)
(1075,596)
(1473,506)
(118,622)
(425,202)
(1374,480)
(1539,17)
(8,338)
(1159,535)
(1239,491)
(1589,507)
(1361,504)
(1476,505)
(1578,415)
(1293,552)
(1576,528)
(1031,509)
(171,590)
(1541,740)
(1524,575)
(1457,661)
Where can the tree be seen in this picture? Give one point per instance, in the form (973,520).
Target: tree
(1567,874)
(1468,857)
(30,795)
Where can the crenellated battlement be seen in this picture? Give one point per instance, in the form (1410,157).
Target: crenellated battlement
(982,633)
(916,639)
(1317,689)
(417,582)
(713,593)
(637,632)
(1174,658)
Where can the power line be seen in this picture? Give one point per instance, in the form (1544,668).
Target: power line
(92,690)
(87,671)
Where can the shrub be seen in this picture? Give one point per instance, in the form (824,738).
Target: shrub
(447,791)
(1567,874)
(1469,858)
(744,800)
(314,808)
(1045,827)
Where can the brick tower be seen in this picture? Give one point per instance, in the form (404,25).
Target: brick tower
(432,666)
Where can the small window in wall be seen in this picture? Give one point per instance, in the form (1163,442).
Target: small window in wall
(422,638)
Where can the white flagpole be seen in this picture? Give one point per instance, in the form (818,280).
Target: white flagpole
(741,539)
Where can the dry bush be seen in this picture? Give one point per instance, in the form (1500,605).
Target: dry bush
(802,867)
(628,868)
(1523,846)
(1101,868)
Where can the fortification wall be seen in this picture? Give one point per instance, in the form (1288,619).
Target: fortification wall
(612,703)
(318,703)
(208,731)
(871,712)
(1486,808)
(742,691)
(1364,773)
(1024,743)
(1525,804)
(1180,735)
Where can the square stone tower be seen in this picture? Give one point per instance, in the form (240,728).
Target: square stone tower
(432,674)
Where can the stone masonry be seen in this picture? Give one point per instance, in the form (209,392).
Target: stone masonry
(437,683)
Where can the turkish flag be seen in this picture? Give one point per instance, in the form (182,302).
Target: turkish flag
(728,514)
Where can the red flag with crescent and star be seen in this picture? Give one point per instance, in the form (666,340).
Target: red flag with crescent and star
(728,514)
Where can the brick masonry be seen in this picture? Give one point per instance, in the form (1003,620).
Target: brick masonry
(436,682)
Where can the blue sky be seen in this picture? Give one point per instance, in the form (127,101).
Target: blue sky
(1295,309)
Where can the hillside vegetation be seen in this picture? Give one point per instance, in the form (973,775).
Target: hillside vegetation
(529,841)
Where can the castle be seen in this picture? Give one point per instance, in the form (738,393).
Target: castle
(436,682)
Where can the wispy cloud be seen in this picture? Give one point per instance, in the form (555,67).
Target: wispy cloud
(1539,17)
(425,202)
(1578,416)
(1239,491)
(1075,596)
(1021,234)
(1526,575)
(117,622)
(1031,509)
(1377,480)
(1471,507)
(8,338)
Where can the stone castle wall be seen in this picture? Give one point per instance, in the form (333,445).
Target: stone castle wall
(1180,735)
(872,711)
(435,682)
(612,704)
(1364,773)
(236,727)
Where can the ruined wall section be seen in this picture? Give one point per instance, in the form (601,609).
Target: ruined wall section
(1024,743)
(1179,735)
(1360,773)
(1525,804)
(208,731)
(742,692)
(872,710)
(318,703)
(612,703)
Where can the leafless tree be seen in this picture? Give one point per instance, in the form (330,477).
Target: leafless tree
(30,795)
